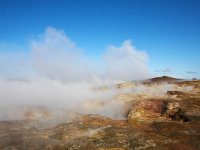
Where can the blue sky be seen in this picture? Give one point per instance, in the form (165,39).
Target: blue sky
(168,30)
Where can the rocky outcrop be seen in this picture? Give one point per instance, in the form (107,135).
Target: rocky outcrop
(175,93)
(176,114)
(156,110)
(146,111)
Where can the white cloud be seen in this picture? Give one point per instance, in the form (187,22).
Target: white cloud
(165,70)
(192,72)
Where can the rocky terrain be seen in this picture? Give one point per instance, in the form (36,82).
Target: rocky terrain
(159,114)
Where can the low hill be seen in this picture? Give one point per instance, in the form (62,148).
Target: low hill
(164,79)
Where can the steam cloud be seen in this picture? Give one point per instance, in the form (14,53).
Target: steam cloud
(56,74)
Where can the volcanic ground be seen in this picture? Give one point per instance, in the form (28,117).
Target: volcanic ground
(154,119)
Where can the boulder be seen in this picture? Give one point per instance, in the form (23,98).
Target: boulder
(148,111)
(175,113)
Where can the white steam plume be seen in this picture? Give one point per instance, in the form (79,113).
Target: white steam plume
(126,62)
(55,56)
(59,76)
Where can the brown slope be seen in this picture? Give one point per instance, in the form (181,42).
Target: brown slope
(164,79)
